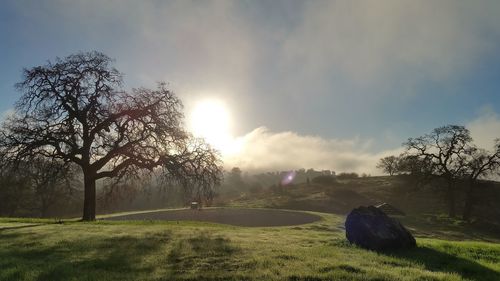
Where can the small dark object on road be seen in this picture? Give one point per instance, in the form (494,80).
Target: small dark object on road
(370,228)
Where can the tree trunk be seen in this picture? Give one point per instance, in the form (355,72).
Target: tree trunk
(451,200)
(89,201)
(468,202)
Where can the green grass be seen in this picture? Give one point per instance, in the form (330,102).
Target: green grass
(46,250)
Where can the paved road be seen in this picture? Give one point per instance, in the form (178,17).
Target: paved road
(238,217)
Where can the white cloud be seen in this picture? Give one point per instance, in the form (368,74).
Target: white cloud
(263,150)
(485,128)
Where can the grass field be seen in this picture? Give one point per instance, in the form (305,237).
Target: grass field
(105,250)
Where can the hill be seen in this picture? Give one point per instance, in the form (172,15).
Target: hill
(342,195)
(423,205)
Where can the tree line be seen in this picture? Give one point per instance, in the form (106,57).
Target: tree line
(447,156)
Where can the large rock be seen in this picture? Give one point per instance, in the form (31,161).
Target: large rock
(371,228)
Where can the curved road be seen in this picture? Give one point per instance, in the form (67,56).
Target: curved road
(231,216)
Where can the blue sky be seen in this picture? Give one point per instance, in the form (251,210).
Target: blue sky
(353,77)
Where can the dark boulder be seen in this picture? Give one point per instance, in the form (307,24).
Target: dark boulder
(371,228)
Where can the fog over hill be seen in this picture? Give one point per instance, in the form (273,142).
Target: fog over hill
(264,150)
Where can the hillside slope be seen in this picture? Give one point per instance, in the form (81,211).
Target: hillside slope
(424,205)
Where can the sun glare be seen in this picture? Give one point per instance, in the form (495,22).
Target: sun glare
(210,119)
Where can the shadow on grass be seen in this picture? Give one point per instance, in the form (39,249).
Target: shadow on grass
(432,226)
(27,258)
(437,261)
(35,256)
(19,226)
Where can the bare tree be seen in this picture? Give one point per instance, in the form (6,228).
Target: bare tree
(444,150)
(388,164)
(36,185)
(51,180)
(15,192)
(479,163)
(75,110)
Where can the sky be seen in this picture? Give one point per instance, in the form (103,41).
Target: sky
(313,84)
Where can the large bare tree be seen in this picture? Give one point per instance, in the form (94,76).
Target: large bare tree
(480,163)
(444,150)
(74,109)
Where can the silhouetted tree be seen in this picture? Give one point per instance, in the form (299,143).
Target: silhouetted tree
(479,163)
(36,186)
(51,181)
(234,178)
(388,164)
(344,176)
(15,192)
(443,150)
(419,168)
(75,110)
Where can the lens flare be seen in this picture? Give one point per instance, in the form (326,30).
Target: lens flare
(288,178)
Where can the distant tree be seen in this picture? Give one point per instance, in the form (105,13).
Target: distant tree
(234,178)
(344,176)
(421,169)
(51,181)
(410,164)
(443,150)
(36,186)
(479,163)
(388,164)
(75,110)
(16,196)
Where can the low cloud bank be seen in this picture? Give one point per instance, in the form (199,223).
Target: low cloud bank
(264,150)
(485,129)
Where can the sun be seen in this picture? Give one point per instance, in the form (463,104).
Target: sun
(210,119)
